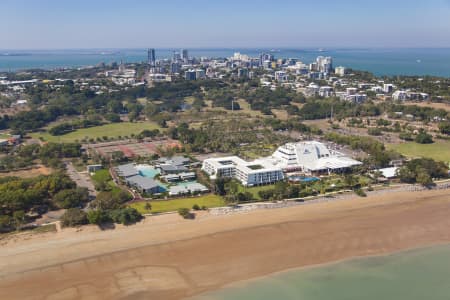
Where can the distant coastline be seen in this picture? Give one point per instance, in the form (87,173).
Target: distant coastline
(380,61)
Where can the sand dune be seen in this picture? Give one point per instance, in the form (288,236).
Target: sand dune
(169,258)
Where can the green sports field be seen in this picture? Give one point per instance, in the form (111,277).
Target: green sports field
(109,130)
(439,150)
(160,206)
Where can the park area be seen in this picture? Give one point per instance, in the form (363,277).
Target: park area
(161,206)
(439,150)
(113,130)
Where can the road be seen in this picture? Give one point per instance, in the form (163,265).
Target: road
(82,179)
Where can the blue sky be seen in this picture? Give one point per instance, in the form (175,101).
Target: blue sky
(48,24)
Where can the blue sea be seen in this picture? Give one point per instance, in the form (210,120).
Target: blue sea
(411,275)
(404,61)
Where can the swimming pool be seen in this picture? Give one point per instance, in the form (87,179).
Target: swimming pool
(147,171)
(303,179)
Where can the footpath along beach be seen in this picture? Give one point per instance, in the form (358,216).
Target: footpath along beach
(166,257)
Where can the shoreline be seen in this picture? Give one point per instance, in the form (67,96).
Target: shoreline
(245,282)
(170,258)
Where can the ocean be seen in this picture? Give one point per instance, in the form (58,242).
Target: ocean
(404,61)
(411,275)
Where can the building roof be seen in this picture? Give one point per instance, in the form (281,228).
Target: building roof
(254,167)
(143,183)
(172,168)
(127,170)
(310,155)
(187,174)
(389,172)
(174,160)
(187,188)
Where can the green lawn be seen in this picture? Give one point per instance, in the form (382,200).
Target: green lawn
(255,189)
(101,175)
(160,206)
(439,150)
(109,130)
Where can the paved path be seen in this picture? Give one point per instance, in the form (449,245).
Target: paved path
(82,179)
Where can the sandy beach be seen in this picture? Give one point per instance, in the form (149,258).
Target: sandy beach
(166,257)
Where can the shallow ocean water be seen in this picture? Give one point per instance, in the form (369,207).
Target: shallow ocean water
(411,275)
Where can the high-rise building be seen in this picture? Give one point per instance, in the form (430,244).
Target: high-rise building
(151,59)
(176,56)
(324,64)
(190,75)
(175,67)
(265,57)
(184,55)
(339,71)
(242,73)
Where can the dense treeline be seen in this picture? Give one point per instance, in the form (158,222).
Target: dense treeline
(423,113)
(224,136)
(379,155)
(49,154)
(65,128)
(323,108)
(264,99)
(422,171)
(21,199)
(48,104)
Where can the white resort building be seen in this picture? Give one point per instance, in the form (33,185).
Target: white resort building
(248,173)
(307,157)
(310,157)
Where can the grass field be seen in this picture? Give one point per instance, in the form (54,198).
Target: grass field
(440,150)
(109,130)
(254,190)
(172,205)
(101,175)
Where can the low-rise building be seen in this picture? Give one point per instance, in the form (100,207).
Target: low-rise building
(145,185)
(248,173)
(127,170)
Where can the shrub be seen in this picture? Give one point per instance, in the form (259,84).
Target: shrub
(360,193)
(195,207)
(423,138)
(74,217)
(98,217)
(374,131)
(125,216)
(185,213)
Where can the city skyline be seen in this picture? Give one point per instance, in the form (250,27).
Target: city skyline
(51,24)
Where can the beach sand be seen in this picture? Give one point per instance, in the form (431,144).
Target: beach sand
(166,257)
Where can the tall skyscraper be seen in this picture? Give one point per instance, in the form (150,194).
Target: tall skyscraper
(151,59)
(184,55)
(324,64)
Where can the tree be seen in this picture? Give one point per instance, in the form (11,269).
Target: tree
(71,197)
(19,218)
(423,138)
(406,175)
(444,127)
(147,206)
(125,216)
(106,200)
(74,217)
(98,216)
(219,186)
(185,213)
(423,177)
(5,223)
